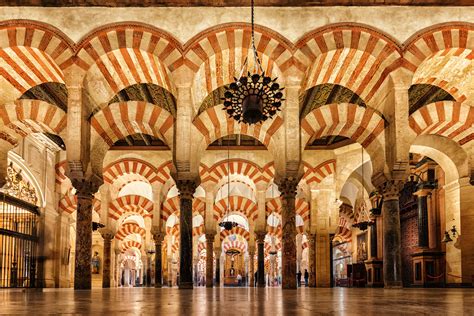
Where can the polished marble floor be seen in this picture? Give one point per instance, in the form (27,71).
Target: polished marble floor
(239,301)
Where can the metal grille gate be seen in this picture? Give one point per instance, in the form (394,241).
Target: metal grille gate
(18,242)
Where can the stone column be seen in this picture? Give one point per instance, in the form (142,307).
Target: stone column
(82,270)
(186,190)
(423,239)
(287,187)
(158,238)
(312,259)
(251,267)
(108,236)
(373,239)
(218,266)
(209,260)
(260,239)
(118,273)
(392,262)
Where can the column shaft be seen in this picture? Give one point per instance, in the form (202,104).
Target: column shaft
(251,269)
(391,237)
(186,190)
(260,259)
(82,269)
(288,189)
(209,260)
(218,268)
(373,240)
(422,221)
(312,259)
(107,260)
(158,264)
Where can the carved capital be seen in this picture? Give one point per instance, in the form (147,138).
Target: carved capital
(107,234)
(260,237)
(86,187)
(287,187)
(210,237)
(158,236)
(391,189)
(187,188)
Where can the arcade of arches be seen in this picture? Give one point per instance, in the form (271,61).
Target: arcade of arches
(117,125)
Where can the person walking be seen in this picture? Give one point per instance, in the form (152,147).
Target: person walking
(306,277)
(256,278)
(298,278)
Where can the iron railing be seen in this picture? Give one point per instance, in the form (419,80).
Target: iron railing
(18,242)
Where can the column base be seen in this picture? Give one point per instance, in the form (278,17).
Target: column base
(185,285)
(374,269)
(158,286)
(427,268)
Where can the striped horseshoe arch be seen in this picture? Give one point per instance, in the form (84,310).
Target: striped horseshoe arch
(32,53)
(354,56)
(453,120)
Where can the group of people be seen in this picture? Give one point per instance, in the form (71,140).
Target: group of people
(306,278)
(298,278)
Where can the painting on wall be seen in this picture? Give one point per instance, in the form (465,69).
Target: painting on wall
(362,247)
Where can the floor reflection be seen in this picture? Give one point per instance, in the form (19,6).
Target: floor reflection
(239,301)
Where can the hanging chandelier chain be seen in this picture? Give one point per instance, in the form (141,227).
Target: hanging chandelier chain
(257,63)
(228,181)
(256,97)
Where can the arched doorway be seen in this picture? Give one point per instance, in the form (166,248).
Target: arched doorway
(19,233)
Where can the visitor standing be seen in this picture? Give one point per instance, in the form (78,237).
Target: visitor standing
(306,277)
(298,278)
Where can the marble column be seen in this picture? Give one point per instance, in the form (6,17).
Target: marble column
(158,239)
(392,262)
(251,267)
(118,273)
(312,259)
(423,239)
(373,239)
(186,190)
(260,239)
(218,267)
(209,260)
(82,269)
(108,236)
(287,187)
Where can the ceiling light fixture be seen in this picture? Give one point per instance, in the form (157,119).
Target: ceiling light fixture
(256,97)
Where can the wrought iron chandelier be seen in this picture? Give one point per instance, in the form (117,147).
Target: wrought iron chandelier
(226,223)
(256,97)
(362,225)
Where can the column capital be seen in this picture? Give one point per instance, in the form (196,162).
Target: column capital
(158,236)
(107,234)
(391,189)
(187,187)
(210,237)
(86,187)
(260,236)
(287,186)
